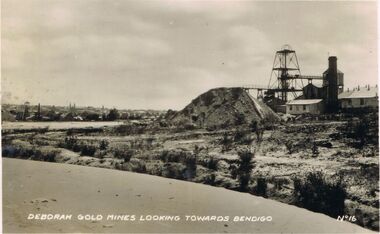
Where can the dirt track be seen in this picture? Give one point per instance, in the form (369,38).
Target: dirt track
(39,187)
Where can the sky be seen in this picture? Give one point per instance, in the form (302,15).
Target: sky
(161,54)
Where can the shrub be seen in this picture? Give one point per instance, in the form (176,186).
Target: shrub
(317,194)
(210,179)
(129,129)
(103,145)
(22,149)
(245,166)
(122,152)
(87,150)
(226,142)
(137,165)
(212,164)
(191,166)
(170,156)
(364,130)
(19,148)
(239,134)
(261,187)
(315,150)
(361,130)
(45,153)
(174,170)
(71,143)
(239,119)
(243,137)
(253,125)
(259,134)
(289,146)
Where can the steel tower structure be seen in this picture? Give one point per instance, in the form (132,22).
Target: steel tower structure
(286,74)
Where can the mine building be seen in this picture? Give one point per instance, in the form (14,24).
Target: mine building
(359,98)
(318,99)
(291,92)
(302,106)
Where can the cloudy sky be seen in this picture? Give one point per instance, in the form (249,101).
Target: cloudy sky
(162,54)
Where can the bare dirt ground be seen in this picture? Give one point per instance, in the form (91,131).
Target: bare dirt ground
(284,153)
(47,188)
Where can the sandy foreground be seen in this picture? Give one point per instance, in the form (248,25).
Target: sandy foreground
(31,187)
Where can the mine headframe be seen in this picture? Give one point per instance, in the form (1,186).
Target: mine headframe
(286,78)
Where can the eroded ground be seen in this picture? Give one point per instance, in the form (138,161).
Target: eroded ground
(284,152)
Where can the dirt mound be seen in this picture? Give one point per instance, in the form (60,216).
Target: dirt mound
(223,107)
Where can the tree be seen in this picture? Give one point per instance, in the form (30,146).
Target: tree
(113,114)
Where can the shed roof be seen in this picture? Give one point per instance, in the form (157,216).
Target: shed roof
(304,101)
(316,85)
(363,92)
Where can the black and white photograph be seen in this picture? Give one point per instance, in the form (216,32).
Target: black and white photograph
(189,116)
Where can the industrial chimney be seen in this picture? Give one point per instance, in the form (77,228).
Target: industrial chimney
(332,88)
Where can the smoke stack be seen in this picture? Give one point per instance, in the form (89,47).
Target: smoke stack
(332,89)
(333,63)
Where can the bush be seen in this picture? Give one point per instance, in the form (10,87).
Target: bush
(239,134)
(87,150)
(244,169)
(103,145)
(174,170)
(239,119)
(18,148)
(45,153)
(138,166)
(171,156)
(210,179)
(177,156)
(243,137)
(71,143)
(23,149)
(361,130)
(317,194)
(123,152)
(191,166)
(364,130)
(129,129)
(289,146)
(226,142)
(253,125)
(212,164)
(261,187)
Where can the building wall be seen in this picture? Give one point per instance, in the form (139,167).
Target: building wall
(314,109)
(359,102)
(312,92)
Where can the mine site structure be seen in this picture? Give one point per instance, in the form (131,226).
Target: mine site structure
(286,78)
(287,83)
